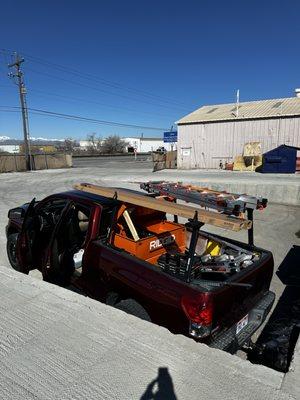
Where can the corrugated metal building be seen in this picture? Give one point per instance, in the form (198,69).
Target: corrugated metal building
(219,132)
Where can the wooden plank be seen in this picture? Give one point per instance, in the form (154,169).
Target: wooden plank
(131,226)
(204,216)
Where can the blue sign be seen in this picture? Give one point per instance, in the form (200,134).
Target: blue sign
(170,137)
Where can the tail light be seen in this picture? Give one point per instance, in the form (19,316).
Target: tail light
(198,309)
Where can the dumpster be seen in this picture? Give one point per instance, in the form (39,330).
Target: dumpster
(281,160)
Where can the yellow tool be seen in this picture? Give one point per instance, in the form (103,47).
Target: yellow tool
(213,248)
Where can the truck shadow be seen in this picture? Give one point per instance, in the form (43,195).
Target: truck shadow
(275,346)
(161,388)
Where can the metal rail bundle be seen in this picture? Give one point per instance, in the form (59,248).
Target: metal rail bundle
(227,203)
(181,210)
(224,202)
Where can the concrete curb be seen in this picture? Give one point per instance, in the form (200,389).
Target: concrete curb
(291,381)
(55,343)
(280,189)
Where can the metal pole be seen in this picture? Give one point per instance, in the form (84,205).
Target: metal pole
(237,102)
(22,92)
(251,230)
(195,225)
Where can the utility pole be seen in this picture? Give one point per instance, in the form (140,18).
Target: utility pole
(237,102)
(22,94)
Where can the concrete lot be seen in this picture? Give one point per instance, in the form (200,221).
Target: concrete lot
(56,344)
(278,188)
(276,227)
(30,333)
(104,162)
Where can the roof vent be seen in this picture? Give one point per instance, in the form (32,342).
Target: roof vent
(297,92)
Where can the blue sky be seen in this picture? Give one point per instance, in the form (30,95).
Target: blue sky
(141,62)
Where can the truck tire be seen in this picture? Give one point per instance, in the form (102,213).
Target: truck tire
(11,251)
(132,307)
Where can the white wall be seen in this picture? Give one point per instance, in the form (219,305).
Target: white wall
(204,145)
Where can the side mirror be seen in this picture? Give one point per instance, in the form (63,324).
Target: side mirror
(16,213)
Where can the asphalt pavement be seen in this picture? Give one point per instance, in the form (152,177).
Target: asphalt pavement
(144,160)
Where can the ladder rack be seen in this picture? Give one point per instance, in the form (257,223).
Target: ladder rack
(227,203)
(230,204)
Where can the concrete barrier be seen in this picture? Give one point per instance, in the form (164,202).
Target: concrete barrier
(277,188)
(16,162)
(57,344)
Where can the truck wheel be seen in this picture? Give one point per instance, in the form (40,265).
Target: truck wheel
(11,247)
(132,307)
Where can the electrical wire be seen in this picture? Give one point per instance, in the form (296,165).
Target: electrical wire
(98,80)
(102,81)
(82,118)
(84,101)
(37,111)
(98,89)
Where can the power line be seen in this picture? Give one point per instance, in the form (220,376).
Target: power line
(98,89)
(106,82)
(81,100)
(84,101)
(102,81)
(103,122)
(37,111)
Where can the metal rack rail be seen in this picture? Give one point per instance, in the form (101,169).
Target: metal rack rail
(224,202)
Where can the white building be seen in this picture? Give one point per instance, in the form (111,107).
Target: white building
(86,144)
(10,148)
(146,145)
(219,132)
(141,144)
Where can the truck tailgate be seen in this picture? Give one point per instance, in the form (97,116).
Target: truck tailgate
(233,303)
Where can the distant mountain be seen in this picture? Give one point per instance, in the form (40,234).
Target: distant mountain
(37,141)
(41,139)
(4,138)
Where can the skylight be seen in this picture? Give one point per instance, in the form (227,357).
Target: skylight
(212,110)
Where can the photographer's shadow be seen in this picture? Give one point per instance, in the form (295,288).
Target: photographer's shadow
(161,388)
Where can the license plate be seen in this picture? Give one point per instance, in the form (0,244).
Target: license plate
(241,324)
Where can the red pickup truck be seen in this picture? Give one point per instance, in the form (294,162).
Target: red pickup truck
(132,255)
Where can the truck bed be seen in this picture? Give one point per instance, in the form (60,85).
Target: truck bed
(234,277)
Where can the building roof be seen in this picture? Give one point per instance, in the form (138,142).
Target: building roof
(248,110)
